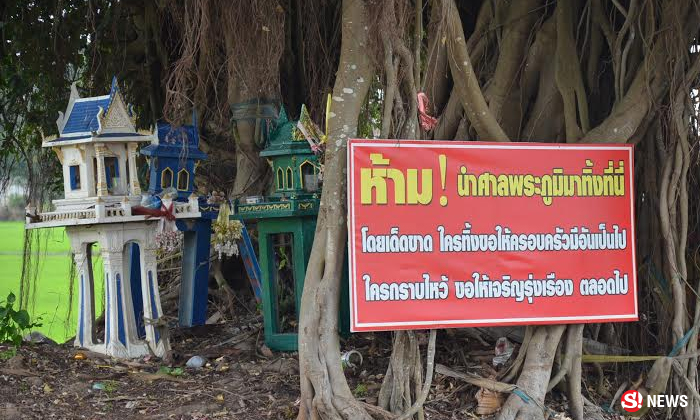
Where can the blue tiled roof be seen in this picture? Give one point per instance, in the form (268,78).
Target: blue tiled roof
(83,116)
(172,141)
(168,134)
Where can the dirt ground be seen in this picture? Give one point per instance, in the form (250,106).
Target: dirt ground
(242,380)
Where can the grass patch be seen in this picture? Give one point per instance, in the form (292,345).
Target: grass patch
(8,354)
(52,297)
(111,386)
(360,390)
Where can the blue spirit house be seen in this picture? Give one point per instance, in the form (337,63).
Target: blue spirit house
(173,162)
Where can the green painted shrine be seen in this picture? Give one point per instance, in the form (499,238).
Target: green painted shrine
(286,222)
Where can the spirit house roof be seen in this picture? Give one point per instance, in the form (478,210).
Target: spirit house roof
(287,138)
(104,118)
(83,116)
(174,155)
(176,142)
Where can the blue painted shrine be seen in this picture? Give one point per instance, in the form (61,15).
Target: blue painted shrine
(173,162)
(174,159)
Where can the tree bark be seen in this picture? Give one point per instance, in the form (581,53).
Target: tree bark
(535,375)
(250,167)
(325,393)
(437,75)
(465,80)
(503,91)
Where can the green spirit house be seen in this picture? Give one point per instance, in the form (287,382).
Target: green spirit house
(294,164)
(286,222)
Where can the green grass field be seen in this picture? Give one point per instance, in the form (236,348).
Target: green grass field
(51,300)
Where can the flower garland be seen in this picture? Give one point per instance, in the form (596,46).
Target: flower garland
(312,133)
(226,233)
(168,241)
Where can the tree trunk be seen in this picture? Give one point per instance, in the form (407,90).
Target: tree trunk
(535,375)
(250,167)
(324,390)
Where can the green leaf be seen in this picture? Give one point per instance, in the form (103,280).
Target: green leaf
(8,354)
(10,299)
(21,318)
(178,371)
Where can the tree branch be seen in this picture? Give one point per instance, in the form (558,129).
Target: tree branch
(465,80)
(568,74)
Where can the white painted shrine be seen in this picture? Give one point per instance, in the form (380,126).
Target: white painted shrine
(97,147)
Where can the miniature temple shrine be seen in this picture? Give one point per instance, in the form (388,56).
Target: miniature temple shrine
(286,222)
(173,160)
(103,204)
(96,146)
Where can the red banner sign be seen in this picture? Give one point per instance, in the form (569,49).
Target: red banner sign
(452,234)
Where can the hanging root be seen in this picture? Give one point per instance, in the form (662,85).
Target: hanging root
(574,346)
(535,375)
(402,390)
(417,407)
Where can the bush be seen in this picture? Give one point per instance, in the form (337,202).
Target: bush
(13,323)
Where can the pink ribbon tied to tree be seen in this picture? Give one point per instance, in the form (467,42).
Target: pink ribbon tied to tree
(427,122)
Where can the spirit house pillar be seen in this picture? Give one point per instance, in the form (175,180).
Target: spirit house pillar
(152,310)
(82,257)
(133,180)
(101,176)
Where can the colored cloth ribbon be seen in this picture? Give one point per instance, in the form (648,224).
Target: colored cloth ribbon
(166,212)
(427,122)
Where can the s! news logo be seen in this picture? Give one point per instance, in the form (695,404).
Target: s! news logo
(633,401)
